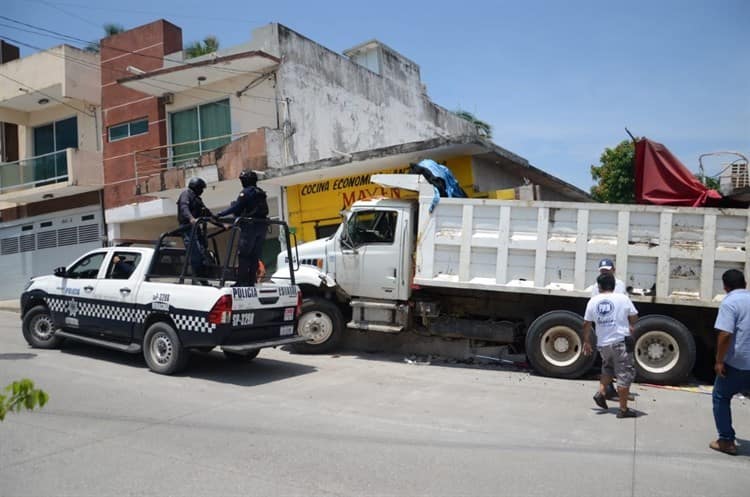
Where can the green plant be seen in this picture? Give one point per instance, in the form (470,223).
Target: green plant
(20,395)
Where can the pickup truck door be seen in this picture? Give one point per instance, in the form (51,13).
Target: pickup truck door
(116,293)
(77,289)
(370,263)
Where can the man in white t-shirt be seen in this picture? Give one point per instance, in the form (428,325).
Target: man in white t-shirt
(614,315)
(608,266)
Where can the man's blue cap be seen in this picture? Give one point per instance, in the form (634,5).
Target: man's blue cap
(606,264)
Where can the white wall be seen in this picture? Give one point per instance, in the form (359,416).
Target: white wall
(340,106)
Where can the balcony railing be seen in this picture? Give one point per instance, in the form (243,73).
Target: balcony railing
(35,171)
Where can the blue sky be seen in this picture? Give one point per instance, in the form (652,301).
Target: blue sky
(558,81)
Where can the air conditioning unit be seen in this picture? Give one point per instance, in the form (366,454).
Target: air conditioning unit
(168,98)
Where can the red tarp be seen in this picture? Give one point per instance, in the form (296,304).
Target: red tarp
(660,178)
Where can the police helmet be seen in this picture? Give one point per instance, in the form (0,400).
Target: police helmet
(248,178)
(197,185)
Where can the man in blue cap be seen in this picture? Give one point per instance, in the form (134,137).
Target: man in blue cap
(608,266)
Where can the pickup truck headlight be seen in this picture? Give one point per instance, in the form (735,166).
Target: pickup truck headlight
(28,284)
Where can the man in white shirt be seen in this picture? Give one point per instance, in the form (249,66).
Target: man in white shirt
(614,315)
(608,266)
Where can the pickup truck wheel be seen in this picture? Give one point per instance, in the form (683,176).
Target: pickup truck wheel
(554,345)
(664,350)
(237,357)
(163,350)
(39,329)
(322,322)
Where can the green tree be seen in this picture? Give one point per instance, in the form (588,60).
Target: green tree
(209,44)
(712,183)
(483,128)
(19,395)
(615,175)
(110,29)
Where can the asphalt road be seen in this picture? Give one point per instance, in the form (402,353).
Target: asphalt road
(348,425)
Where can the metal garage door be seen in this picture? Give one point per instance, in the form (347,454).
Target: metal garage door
(35,246)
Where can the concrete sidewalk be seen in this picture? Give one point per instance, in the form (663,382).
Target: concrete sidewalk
(10,305)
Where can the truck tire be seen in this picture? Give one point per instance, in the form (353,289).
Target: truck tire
(39,329)
(664,350)
(322,321)
(163,350)
(554,345)
(237,357)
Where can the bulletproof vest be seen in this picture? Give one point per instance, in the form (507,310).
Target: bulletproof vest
(259,209)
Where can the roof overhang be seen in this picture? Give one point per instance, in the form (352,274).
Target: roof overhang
(182,77)
(437,149)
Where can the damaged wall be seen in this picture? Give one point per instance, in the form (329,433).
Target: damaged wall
(337,106)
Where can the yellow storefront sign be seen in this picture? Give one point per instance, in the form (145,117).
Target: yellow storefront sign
(314,208)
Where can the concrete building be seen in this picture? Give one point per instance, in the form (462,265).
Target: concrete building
(315,123)
(50,169)
(278,101)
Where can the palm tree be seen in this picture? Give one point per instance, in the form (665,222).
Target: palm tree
(484,129)
(110,29)
(209,44)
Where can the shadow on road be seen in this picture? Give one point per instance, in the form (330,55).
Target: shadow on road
(212,366)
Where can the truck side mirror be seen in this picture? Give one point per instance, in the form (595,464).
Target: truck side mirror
(60,271)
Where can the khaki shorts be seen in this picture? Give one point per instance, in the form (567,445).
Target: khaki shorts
(618,362)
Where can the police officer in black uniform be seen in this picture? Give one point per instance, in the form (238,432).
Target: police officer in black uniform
(189,208)
(250,203)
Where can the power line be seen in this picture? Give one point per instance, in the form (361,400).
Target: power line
(165,89)
(76,16)
(162,59)
(198,99)
(46,95)
(151,12)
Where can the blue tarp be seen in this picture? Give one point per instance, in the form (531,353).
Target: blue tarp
(441,178)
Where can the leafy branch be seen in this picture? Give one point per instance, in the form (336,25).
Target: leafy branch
(20,395)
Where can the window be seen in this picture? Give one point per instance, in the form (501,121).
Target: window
(126,130)
(195,131)
(87,268)
(122,265)
(371,227)
(50,141)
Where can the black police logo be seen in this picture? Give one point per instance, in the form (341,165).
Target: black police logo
(605,307)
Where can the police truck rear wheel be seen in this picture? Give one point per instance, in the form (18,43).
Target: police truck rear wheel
(39,329)
(322,322)
(554,345)
(163,350)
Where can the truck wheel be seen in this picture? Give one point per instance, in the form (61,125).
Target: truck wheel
(237,357)
(554,345)
(162,349)
(39,329)
(664,350)
(322,322)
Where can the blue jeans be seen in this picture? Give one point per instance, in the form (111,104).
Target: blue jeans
(735,381)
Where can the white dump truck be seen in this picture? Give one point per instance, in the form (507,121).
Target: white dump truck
(520,273)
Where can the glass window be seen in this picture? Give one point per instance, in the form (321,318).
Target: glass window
(122,265)
(200,126)
(372,227)
(88,267)
(126,130)
(118,132)
(139,127)
(55,137)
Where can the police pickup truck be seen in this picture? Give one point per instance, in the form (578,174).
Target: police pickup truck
(137,299)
